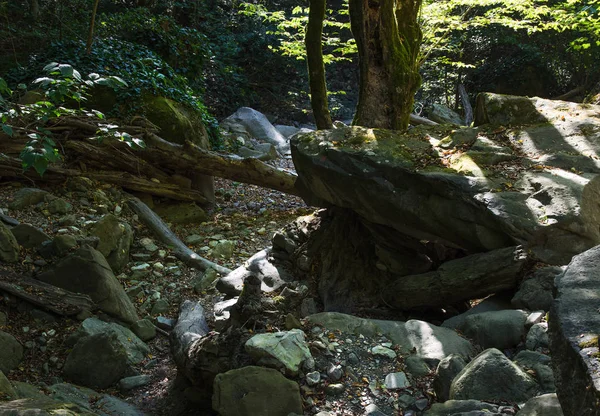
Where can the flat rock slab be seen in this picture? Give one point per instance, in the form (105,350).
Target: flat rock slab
(574,327)
(255,391)
(441,184)
(286,350)
(430,342)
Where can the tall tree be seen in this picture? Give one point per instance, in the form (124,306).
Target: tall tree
(388,37)
(316,67)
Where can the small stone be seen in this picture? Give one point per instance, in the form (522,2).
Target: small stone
(534,318)
(194,239)
(161,306)
(261,231)
(353,359)
(148,245)
(421,404)
(166,324)
(308,307)
(335,372)
(59,206)
(291,322)
(381,351)
(130,383)
(140,267)
(162,254)
(394,381)
(335,389)
(118,210)
(224,249)
(406,400)
(144,329)
(313,378)
(309,364)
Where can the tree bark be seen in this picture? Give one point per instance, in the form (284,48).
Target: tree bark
(316,67)
(164,234)
(149,170)
(388,38)
(51,298)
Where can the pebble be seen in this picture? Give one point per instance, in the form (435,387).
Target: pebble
(140,267)
(313,378)
(335,372)
(394,381)
(335,389)
(165,323)
(382,351)
(422,404)
(148,244)
(353,358)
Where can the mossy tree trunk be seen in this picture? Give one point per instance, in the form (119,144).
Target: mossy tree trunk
(388,38)
(316,67)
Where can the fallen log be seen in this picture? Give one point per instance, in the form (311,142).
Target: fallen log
(418,120)
(54,299)
(164,234)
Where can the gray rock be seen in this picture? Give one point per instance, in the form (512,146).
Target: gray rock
(461,407)
(268,151)
(133,382)
(25,197)
(148,245)
(70,393)
(144,329)
(335,372)
(416,366)
(381,351)
(537,337)
(502,329)
(313,378)
(272,275)
(59,206)
(27,391)
(445,373)
(430,342)
(255,391)
(97,361)
(29,236)
(113,406)
(181,213)
(11,352)
(7,392)
(443,115)
(494,303)
(287,350)
(492,376)
(86,271)
(135,349)
(9,248)
(115,241)
(395,381)
(161,306)
(544,405)
(335,389)
(539,364)
(194,239)
(552,208)
(535,292)
(64,243)
(246,152)
(534,318)
(224,249)
(286,131)
(574,326)
(254,124)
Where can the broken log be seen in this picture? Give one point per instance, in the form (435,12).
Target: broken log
(54,299)
(418,120)
(164,234)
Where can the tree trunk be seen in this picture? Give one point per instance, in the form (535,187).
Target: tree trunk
(462,92)
(88,47)
(388,38)
(316,67)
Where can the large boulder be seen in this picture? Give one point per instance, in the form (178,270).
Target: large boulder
(11,352)
(535,292)
(9,248)
(115,241)
(255,391)
(97,361)
(86,271)
(429,342)
(574,330)
(281,350)
(253,124)
(135,348)
(491,376)
(500,329)
(414,184)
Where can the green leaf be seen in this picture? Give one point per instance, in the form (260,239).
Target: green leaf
(7,129)
(66,70)
(50,67)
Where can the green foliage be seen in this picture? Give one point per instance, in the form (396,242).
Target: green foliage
(61,84)
(290,30)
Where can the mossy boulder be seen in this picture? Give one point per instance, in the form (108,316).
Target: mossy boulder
(177,122)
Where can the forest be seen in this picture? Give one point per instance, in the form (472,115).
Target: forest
(277,207)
